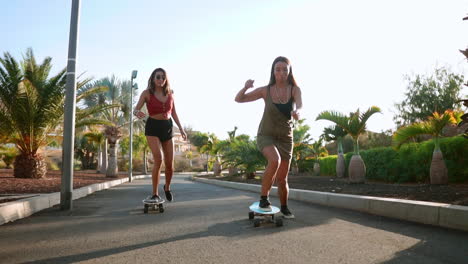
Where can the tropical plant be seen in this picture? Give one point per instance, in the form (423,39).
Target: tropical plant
(116,98)
(245,156)
(354,125)
(98,138)
(141,147)
(433,127)
(336,133)
(318,150)
(8,154)
(301,139)
(31,106)
(85,150)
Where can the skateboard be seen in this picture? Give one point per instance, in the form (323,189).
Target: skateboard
(153,205)
(266,216)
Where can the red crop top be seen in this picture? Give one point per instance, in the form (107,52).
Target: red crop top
(155,106)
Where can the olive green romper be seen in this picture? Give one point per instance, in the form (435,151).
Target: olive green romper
(275,129)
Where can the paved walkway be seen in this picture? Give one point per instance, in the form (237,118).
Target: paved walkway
(209,224)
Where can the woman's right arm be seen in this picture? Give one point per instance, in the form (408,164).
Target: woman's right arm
(256,94)
(139,105)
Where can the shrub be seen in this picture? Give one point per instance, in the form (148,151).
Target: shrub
(411,163)
(328,165)
(181,165)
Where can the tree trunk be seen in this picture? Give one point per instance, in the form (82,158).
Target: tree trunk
(145,163)
(30,166)
(316,169)
(112,168)
(233,171)
(99,160)
(438,173)
(104,158)
(340,166)
(357,170)
(217,168)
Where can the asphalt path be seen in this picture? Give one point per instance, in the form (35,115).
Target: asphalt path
(209,224)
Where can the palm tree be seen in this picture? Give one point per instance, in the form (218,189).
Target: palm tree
(116,98)
(336,133)
(354,125)
(140,146)
(211,149)
(113,134)
(434,127)
(98,138)
(301,139)
(31,107)
(318,150)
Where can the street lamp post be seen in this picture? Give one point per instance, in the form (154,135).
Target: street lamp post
(134,75)
(66,188)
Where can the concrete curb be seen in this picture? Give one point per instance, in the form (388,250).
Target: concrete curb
(438,214)
(15,210)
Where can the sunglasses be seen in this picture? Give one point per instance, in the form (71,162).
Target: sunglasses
(160,77)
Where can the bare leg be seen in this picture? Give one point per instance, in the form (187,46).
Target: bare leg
(273,158)
(168,150)
(155,146)
(282,180)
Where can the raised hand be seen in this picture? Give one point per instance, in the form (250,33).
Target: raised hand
(249,84)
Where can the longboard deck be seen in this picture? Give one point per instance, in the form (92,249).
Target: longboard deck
(266,216)
(254,208)
(153,205)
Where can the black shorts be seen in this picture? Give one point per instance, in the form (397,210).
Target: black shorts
(159,128)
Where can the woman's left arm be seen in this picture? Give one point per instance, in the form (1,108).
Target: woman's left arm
(176,119)
(295,113)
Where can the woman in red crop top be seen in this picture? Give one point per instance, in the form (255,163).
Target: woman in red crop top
(159,101)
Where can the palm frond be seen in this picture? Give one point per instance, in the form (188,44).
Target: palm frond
(335,117)
(90,91)
(87,112)
(405,133)
(92,121)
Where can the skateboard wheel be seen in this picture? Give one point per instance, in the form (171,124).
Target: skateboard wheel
(145,210)
(256,222)
(279,222)
(251,215)
(161,209)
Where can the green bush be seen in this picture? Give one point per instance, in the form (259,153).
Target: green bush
(328,165)
(455,152)
(411,163)
(305,165)
(381,164)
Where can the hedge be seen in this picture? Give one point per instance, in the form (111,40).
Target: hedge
(411,163)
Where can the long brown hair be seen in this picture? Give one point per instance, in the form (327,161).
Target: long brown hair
(166,87)
(290,75)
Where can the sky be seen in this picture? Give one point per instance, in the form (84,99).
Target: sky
(344,54)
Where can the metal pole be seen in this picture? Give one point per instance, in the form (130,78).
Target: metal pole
(130,159)
(131,132)
(66,190)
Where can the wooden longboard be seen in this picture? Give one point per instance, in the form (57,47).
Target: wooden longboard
(265,216)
